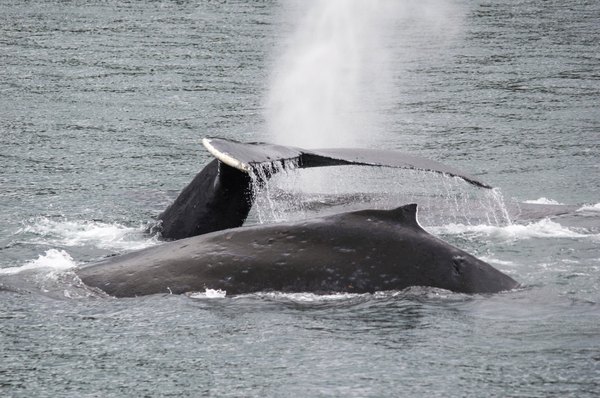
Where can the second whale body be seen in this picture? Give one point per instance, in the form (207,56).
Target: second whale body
(357,252)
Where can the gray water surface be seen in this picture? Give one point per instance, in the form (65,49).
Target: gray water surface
(102,108)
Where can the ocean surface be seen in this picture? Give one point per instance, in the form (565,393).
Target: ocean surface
(103,105)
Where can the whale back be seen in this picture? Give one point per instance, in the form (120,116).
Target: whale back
(357,252)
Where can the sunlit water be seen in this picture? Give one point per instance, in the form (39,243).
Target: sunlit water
(102,110)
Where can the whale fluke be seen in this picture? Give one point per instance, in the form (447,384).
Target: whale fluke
(221,195)
(249,157)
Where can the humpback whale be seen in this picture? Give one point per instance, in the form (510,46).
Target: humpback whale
(221,194)
(358,252)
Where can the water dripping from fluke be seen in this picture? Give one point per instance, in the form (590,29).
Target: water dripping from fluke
(269,207)
(294,194)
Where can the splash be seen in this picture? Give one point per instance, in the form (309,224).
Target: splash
(296,194)
(590,208)
(61,232)
(50,274)
(208,293)
(268,204)
(544,201)
(541,229)
(53,260)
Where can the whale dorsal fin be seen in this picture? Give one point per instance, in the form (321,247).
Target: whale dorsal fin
(405,215)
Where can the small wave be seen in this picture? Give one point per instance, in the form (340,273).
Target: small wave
(496,261)
(590,208)
(53,259)
(307,297)
(51,274)
(334,298)
(542,229)
(209,293)
(544,201)
(304,297)
(80,233)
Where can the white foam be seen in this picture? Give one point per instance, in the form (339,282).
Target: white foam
(306,297)
(53,260)
(590,208)
(496,261)
(544,201)
(302,297)
(542,229)
(209,293)
(81,233)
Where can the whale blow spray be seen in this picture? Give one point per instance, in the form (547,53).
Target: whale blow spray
(334,79)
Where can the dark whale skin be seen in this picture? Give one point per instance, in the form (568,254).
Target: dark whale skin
(357,252)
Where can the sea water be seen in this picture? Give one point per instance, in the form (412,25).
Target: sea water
(103,106)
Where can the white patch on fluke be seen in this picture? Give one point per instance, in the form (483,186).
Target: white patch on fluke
(225,157)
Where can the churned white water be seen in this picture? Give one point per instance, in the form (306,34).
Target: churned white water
(545,228)
(52,260)
(63,232)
